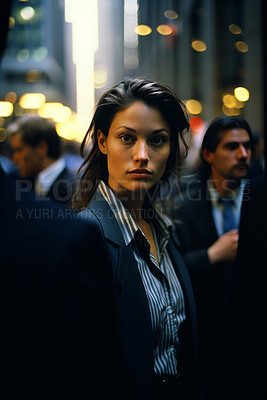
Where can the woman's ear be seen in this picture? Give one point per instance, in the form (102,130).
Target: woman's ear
(207,155)
(102,142)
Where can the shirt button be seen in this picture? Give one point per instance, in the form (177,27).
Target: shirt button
(169,310)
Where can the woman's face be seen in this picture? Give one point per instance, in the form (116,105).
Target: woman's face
(137,148)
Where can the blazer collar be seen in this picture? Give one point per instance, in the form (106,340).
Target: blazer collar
(101,209)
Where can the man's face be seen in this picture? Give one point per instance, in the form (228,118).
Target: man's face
(26,157)
(232,156)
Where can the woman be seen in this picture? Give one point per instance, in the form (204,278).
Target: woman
(135,135)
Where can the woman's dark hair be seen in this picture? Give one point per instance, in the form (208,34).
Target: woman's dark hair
(119,97)
(214,135)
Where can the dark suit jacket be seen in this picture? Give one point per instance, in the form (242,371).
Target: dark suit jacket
(53,278)
(248,299)
(63,188)
(135,372)
(213,285)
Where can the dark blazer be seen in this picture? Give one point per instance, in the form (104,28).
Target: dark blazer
(213,285)
(248,299)
(53,277)
(132,309)
(63,188)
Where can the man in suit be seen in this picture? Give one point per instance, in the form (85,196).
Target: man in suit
(36,150)
(208,231)
(53,275)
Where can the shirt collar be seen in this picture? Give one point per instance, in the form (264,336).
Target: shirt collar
(46,178)
(127,224)
(236,194)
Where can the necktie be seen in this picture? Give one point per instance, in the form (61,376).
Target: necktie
(228,215)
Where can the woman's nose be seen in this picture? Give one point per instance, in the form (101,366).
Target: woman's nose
(140,152)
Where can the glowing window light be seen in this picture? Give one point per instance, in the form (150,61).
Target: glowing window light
(199,45)
(193,106)
(171,14)
(62,114)
(11,97)
(235,29)
(130,23)
(130,53)
(49,109)
(6,108)
(27,13)
(241,93)
(32,100)
(241,46)
(143,30)
(84,18)
(164,30)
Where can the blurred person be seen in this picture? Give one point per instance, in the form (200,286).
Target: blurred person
(207,218)
(37,152)
(51,339)
(134,133)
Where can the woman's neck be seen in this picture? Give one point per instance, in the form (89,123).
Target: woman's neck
(133,202)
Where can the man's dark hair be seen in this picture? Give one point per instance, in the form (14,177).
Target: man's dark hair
(34,129)
(214,135)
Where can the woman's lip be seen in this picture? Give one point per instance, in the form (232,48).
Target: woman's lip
(140,173)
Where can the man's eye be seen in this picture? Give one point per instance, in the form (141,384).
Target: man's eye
(158,140)
(126,138)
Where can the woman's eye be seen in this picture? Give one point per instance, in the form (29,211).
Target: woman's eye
(127,138)
(158,140)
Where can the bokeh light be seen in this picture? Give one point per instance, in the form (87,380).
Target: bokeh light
(235,29)
(241,93)
(241,46)
(32,100)
(171,14)
(11,97)
(27,13)
(196,123)
(193,106)
(199,45)
(164,30)
(6,108)
(143,30)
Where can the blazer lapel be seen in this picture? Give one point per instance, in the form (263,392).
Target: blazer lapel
(133,310)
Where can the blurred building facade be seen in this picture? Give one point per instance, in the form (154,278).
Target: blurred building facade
(209,52)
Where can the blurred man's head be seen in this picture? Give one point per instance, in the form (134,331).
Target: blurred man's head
(226,149)
(35,145)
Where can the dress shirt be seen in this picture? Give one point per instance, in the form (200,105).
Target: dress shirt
(164,293)
(47,177)
(217,206)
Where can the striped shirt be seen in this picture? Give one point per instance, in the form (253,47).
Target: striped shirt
(164,293)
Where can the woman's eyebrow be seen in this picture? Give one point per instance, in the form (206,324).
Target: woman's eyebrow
(133,130)
(126,127)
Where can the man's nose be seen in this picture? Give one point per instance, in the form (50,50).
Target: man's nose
(242,152)
(140,151)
